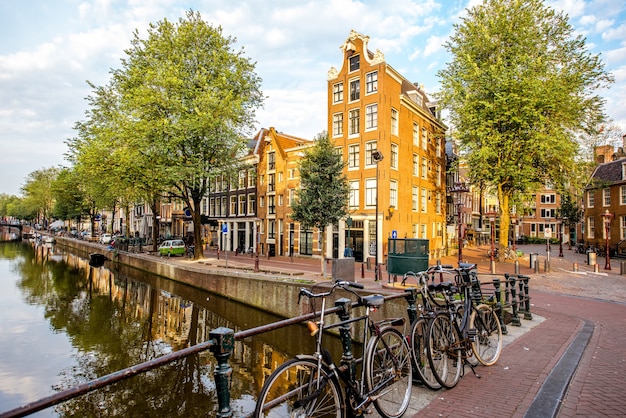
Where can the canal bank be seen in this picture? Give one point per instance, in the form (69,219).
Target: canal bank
(271,291)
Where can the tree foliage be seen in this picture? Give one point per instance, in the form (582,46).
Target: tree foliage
(323,197)
(37,192)
(519,87)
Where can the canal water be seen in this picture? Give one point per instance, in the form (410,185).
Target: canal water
(63,323)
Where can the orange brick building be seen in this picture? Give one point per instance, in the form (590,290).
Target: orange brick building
(374,111)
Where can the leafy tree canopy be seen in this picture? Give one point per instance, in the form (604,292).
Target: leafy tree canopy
(519,87)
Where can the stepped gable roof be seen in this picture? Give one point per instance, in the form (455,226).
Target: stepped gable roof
(611,172)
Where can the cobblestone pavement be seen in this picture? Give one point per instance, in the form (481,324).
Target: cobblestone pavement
(568,361)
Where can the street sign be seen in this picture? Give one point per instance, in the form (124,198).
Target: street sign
(394,234)
(547,232)
(225,228)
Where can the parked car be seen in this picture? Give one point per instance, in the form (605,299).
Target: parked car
(172,247)
(105,239)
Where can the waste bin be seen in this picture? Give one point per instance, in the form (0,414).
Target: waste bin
(591,258)
(533,259)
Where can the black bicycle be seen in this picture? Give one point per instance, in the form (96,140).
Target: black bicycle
(315,386)
(468,331)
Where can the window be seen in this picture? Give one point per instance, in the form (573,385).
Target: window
(415,199)
(242,204)
(271,182)
(251,204)
(371,116)
(338,124)
(424,139)
(423,231)
(353,120)
(242,179)
(438,174)
(271,160)
(354,194)
(271,204)
(292,173)
(280,200)
(423,200)
(394,156)
(622,194)
(424,167)
(438,203)
(439,146)
(338,93)
(416,165)
(271,229)
(262,201)
(354,62)
(280,176)
(416,134)
(622,227)
(353,156)
(371,82)
(591,230)
(212,206)
(548,213)
(370,147)
(394,121)
(370,192)
(606,197)
(251,178)
(415,230)
(233,205)
(548,198)
(355,90)
(590,198)
(393,193)
(223,206)
(292,196)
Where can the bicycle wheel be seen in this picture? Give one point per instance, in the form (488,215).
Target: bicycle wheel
(299,388)
(444,354)
(388,372)
(419,330)
(487,344)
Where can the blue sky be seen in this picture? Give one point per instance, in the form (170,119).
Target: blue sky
(49,49)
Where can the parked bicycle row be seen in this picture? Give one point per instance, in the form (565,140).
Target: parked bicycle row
(451,325)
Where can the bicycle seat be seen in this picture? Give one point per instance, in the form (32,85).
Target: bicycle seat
(467,266)
(373,301)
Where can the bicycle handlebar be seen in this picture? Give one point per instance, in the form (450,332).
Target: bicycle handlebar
(344,284)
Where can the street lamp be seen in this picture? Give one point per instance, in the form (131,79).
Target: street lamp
(377,156)
(608,217)
(492,221)
(459,192)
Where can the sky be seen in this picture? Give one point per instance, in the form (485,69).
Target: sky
(50,49)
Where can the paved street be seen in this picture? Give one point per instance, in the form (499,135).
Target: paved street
(568,361)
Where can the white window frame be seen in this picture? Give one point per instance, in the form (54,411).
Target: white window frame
(371,82)
(355,187)
(371,117)
(394,121)
(393,158)
(370,192)
(416,134)
(355,90)
(338,92)
(354,118)
(354,156)
(606,197)
(370,147)
(393,193)
(416,165)
(338,124)
(415,199)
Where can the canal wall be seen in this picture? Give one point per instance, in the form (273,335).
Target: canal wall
(274,294)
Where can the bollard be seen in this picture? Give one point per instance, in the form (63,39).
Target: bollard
(362,270)
(493,267)
(575,267)
(527,314)
(256,264)
(516,266)
(596,268)
(500,305)
(622,267)
(515,320)
(224,343)
(536,266)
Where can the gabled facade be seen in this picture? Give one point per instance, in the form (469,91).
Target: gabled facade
(278,180)
(374,111)
(606,194)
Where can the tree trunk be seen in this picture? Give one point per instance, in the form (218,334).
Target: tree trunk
(504,199)
(197,230)
(154,207)
(323,256)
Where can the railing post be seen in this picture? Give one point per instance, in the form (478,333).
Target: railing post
(224,343)
(500,305)
(344,314)
(411,299)
(527,314)
(515,321)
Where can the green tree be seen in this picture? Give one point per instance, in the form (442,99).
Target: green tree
(519,87)
(37,192)
(189,101)
(324,192)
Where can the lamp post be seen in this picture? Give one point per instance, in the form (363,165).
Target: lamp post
(492,221)
(561,237)
(459,192)
(608,217)
(377,156)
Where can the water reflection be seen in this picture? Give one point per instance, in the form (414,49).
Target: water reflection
(105,320)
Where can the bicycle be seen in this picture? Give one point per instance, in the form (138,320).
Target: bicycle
(419,325)
(314,386)
(469,327)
